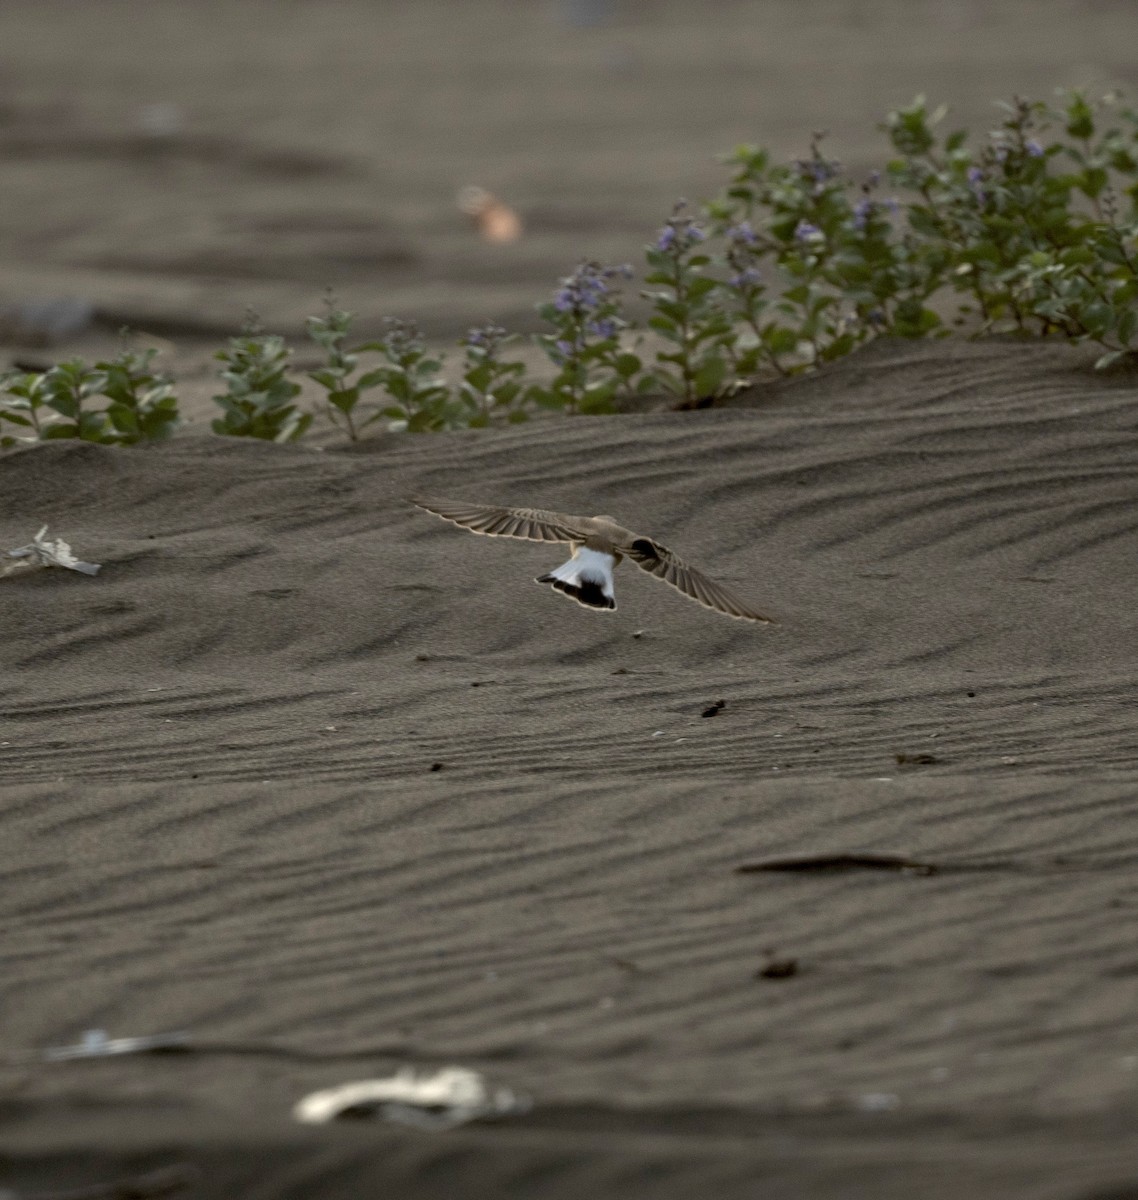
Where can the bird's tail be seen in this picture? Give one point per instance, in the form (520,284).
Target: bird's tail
(586,577)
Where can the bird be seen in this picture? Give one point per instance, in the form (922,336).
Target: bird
(598,545)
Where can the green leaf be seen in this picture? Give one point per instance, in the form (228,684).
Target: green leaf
(1093,181)
(1127,324)
(327,379)
(419,422)
(709,377)
(698,288)
(63,429)
(665,327)
(1080,117)
(345,400)
(373,379)
(780,340)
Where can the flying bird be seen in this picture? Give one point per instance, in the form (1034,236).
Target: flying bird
(598,544)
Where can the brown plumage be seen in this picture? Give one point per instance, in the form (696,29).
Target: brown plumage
(598,543)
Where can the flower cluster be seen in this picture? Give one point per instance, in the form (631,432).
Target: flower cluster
(1030,230)
(587,320)
(680,234)
(687,312)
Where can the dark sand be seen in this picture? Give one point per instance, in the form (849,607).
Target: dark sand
(220,812)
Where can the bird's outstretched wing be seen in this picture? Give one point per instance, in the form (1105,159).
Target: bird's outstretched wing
(533,524)
(658,560)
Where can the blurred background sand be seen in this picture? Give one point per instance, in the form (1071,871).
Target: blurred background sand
(172,163)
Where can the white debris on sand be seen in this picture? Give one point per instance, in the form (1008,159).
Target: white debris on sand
(43,551)
(439,1100)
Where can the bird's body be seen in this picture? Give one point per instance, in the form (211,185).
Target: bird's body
(587,576)
(598,545)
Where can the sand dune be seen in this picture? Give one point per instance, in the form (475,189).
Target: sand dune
(335,787)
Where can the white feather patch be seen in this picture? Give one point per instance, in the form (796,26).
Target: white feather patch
(593,565)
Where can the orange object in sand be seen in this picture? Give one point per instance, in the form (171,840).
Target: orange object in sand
(496,222)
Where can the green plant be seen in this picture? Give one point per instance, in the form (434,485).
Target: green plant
(489,385)
(143,407)
(69,385)
(593,368)
(56,403)
(26,404)
(343,387)
(687,312)
(258,400)
(1039,232)
(841,270)
(1034,230)
(413,379)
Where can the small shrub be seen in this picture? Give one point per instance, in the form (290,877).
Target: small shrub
(687,312)
(57,403)
(842,271)
(26,404)
(343,387)
(143,407)
(412,379)
(258,400)
(585,345)
(1038,231)
(490,386)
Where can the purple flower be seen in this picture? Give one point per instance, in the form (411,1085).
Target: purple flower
(565,348)
(485,337)
(749,277)
(1033,148)
(400,337)
(606,327)
(863,210)
(743,234)
(805,232)
(975,179)
(679,235)
(820,170)
(584,290)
